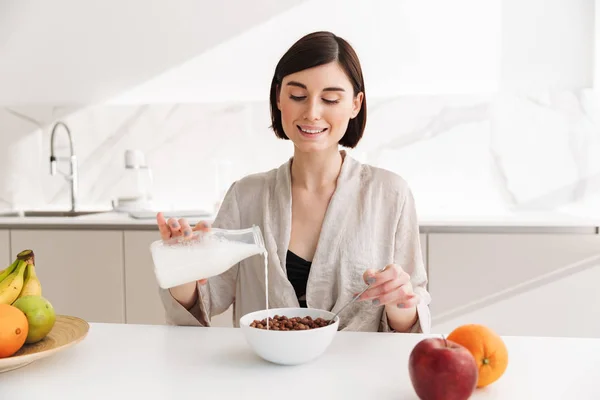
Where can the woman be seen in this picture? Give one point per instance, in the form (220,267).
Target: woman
(330,223)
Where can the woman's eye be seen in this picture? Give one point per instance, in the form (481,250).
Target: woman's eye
(297,98)
(331,101)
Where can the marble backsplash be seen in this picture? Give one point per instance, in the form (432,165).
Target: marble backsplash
(462,155)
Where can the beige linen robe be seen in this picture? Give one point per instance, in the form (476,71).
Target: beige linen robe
(371,222)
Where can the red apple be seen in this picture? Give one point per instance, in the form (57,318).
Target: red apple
(441,369)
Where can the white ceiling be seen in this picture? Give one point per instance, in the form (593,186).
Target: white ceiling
(73,51)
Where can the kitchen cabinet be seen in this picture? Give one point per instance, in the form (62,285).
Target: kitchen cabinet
(565,307)
(519,284)
(502,280)
(4,249)
(143,304)
(81,271)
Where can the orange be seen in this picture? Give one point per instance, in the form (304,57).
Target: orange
(13,330)
(488,349)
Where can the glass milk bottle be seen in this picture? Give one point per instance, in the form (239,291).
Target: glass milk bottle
(203,254)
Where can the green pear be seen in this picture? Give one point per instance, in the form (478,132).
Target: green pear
(40,315)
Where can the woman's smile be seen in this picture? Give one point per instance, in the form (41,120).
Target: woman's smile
(310,131)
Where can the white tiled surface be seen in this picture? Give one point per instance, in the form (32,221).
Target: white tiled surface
(466,157)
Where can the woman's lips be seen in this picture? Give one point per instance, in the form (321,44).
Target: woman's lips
(310,131)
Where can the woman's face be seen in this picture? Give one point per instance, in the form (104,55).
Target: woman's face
(316,105)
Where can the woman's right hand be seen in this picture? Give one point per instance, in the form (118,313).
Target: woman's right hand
(179,227)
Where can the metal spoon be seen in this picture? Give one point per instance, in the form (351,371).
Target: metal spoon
(352,300)
(347,304)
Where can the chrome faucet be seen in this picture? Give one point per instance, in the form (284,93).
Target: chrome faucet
(72,177)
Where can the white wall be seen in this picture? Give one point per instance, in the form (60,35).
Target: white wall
(462,154)
(404,47)
(465,46)
(597,47)
(70,51)
(547,44)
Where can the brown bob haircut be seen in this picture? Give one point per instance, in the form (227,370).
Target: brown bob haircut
(312,50)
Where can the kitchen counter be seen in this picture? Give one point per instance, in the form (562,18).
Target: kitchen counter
(118,361)
(507,222)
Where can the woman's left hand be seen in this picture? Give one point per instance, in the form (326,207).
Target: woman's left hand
(390,286)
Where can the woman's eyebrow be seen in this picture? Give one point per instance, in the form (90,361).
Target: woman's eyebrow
(327,89)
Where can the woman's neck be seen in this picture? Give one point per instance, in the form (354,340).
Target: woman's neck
(316,171)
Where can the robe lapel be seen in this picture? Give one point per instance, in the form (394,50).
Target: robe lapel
(281,209)
(277,231)
(323,279)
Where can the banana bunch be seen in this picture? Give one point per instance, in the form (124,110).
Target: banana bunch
(19,279)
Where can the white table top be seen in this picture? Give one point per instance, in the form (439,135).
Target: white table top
(118,361)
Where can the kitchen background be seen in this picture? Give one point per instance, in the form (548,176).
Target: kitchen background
(489,112)
(490,109)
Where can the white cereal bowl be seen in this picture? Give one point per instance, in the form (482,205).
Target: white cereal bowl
(289,347)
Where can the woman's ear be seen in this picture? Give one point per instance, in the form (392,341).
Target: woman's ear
(357,104)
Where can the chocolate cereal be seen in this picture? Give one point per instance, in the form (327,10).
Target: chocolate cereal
(283,323)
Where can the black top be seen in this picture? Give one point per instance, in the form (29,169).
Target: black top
(297,272)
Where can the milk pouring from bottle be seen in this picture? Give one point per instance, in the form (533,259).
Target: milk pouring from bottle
(181,260)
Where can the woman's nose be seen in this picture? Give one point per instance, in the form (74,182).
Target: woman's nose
(313,111)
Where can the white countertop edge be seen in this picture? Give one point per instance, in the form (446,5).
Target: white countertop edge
(532,220)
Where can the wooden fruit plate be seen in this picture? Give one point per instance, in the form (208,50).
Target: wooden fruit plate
(66,332)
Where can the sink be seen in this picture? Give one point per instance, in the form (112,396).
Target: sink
(50,213)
